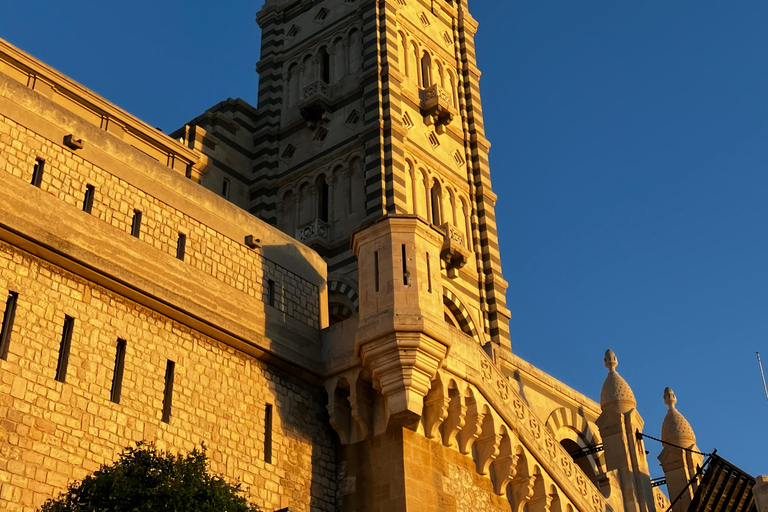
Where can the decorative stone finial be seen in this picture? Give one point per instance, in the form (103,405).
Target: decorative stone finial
(669,398)
(616,393)
(676,429)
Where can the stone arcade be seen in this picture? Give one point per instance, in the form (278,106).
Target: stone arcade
(312,287)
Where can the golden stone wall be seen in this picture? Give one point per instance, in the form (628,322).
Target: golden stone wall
(193,312)
(53,432)
(66,176)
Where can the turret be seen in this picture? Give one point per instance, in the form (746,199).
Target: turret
(402,337)
(679,463)
(624,452)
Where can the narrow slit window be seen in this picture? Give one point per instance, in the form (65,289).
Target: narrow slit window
(64,349)
(225,188)
(170,370)
(376,269)
(37,172)
(8,317)
(268,434)
(136,224)
(90,192)
(406,274)
(117,376)
(181,246)
(429,275)
(271,300)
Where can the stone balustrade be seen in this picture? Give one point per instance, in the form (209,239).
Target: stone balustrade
(315,231)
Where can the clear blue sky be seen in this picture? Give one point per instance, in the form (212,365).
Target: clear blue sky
(629,156)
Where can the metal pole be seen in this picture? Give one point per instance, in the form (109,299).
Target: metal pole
(762,374)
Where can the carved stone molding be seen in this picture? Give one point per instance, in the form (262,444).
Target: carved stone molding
(403,365)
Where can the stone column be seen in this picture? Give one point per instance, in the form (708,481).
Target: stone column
(679,465)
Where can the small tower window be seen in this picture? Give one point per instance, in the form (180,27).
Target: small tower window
(225,186)
(8,317)
(37,172)
(406,273)
(64,348)
(117,376)
(90,192)
(271,297)
(268,434)
(136,224)
(181,246)
(170,370)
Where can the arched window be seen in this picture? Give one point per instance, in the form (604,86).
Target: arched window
(409,188)
(583,462)
(463,220)
(413,62)
(426,70)
(437,203)
(355,50)
(452,86)
(322,199)
(440,74)
(339,60)
(293,85)
(451,213)
(357,188)
(287,217)
(421,195)
(403,55)
(305,213)
(307,72)
(340,194)
(325,65)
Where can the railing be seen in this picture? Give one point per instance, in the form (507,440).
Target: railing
(437,107)
(314,89)
(314,231)
(436,93)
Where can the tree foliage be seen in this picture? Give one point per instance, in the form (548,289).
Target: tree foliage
(145,479)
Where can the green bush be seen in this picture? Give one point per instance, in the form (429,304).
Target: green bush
(147,480)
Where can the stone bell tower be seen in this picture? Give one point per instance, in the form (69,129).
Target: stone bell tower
(369,108)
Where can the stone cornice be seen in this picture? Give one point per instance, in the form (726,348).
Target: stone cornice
(63,90)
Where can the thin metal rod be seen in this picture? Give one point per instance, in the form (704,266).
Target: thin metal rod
(762,374)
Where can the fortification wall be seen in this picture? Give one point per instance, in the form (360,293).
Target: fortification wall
(52,432)
(240,322)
